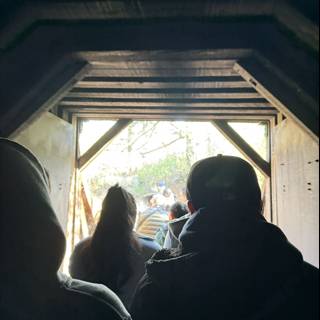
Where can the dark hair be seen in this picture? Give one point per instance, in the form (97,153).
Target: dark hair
(114,239)
(224,182)
(178,210)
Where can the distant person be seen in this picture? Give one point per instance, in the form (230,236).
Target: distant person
(175,226)
(177,211)
(153,218)
(168,230)
(169,198)
(231,264)
(32,247)
(114,256)
(145,201)
(161,187)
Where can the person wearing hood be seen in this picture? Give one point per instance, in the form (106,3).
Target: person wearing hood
(32,248)
(231,263)
(180,215)
(168,234)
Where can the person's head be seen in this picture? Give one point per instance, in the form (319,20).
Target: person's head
(145,200)
(167,193)
(157,200)
(177,210)
(114,238)
(161,186)
(119,205)
(223,182)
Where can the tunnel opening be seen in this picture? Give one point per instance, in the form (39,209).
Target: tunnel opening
(134,93)
(151,157)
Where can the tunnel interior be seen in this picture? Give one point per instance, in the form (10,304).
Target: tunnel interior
(64,64)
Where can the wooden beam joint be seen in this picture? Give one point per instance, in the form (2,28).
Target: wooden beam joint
(93,152)
(243,146)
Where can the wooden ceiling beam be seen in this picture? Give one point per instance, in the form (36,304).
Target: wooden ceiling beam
(150,78)
(103,63)
(282,93)
(282,11)
(143,96)
(177,116)
(175,103)
(166,71)
(163,90)
(297,23)
(243,147)
(97,148)
(177,56)
(146,110)
(155,85)
(43,97)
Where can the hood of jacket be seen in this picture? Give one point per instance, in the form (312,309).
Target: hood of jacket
(176,226)
(32,242)
(227,257)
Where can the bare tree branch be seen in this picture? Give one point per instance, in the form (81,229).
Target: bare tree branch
(163,146)
(141,135)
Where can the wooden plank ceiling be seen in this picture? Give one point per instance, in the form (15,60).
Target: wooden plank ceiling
(165,88)
(295,15)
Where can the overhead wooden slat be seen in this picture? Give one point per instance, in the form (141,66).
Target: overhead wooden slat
(165,104)
(146,110)
(152,85)
(176,116)
(259,101)
(209,56)
(105,63)
(148,78)
(210,103)
(165,93)
(248,95)
(163,72)
(164,90)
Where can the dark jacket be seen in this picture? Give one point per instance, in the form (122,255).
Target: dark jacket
(32,246)
(82,266)
(228,267)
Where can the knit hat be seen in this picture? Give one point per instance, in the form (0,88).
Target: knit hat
(222,180)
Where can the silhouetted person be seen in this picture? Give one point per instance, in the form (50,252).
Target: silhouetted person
(231,263)
(167,231)
(175,226)
(114,256)
(32,246)
(177,211)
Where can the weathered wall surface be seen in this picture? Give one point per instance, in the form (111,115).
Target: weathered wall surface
(52,141)
(296,176)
